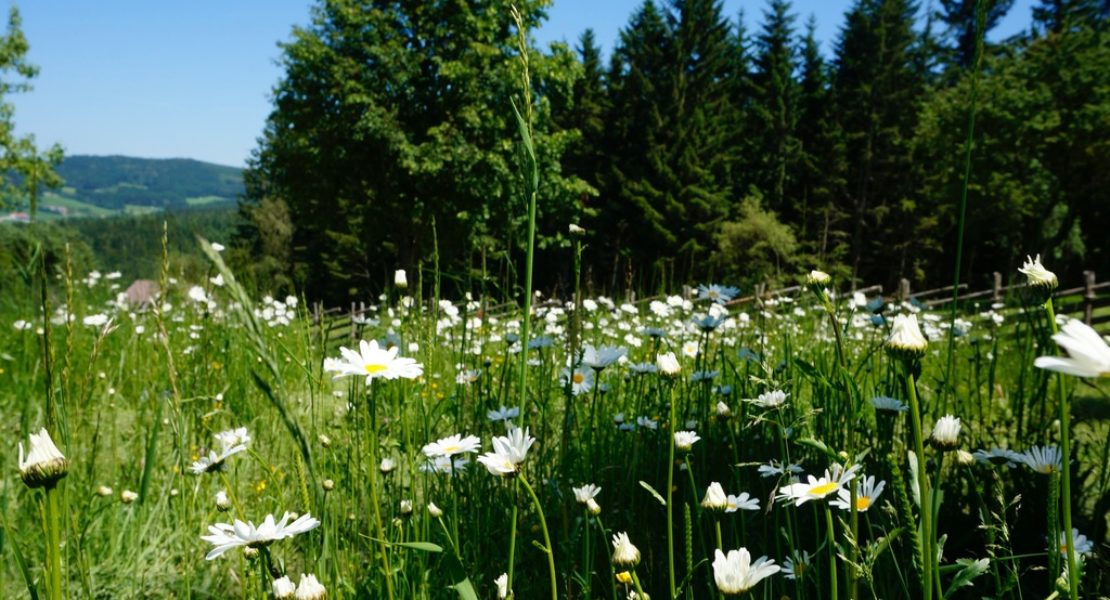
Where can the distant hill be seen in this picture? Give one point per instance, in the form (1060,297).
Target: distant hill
(107,185)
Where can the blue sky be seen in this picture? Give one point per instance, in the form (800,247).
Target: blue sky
(192,79)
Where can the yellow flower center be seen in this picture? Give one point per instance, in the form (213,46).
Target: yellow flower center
(452,449)
(372,368)
(863,503)
(578,378)
(824,489)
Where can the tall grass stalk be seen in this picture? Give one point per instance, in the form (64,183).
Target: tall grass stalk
(1065,476)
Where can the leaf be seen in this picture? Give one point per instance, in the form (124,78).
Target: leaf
(821,447)
(658,497)
(456,573)
(971,569)
(423,546)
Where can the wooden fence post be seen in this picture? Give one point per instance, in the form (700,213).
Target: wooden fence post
(904,289)
(996,291)
(1089,297)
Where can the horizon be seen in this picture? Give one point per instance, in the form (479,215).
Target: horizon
(126,78)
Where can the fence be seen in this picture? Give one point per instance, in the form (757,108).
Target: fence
(1085,301)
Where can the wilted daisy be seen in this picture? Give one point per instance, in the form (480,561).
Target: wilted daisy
(741,502)
(452,445)
(888,404)
(586,494)
(1088,353)
(225,537)
(906,339)
(44,464)
(795,566)
(735,573)
(866,494)
(772,399)
(1045,460)
(946,433)
(502,583)
(715,498)
(1037,276)
(624,553)
(310,588)
(580,380)
(509,451)
(373,363)
(684,440)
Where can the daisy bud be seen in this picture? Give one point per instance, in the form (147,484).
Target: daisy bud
(576,231)
(818,278)
(946,433)
(44,464)
(434,510)
(103,491)
(325,441)
(328,485)
(387,465)
(964,457)
(502,583)
(906,340)
(400,279)
(223,503)
(406,507)
(723,410)
(1038,277)
(127,496)
(310,589)
(624,553)
(668,364)
(284,588)
(250,553)
(684,440)
(593,507)
(715,498)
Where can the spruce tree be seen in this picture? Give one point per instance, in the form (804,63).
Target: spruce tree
(775,107)
(962,30)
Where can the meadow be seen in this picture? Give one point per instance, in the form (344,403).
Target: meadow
(660,447)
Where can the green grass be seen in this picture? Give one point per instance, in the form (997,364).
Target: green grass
(132,405)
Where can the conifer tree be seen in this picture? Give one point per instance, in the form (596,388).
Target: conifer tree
(775,106)
(960,18)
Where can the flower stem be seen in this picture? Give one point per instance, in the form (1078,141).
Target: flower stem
(53,544)
(636,583)
(548,549)
(670,500)
(1065,472)
(925,510)
(832,551)
(512,541)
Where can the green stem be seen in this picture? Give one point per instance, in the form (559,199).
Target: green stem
(832,551)
(380,531)
(640,595)
(670,498)
(587,563)
(512,540)
(925,544)
(1065,474)
(53,544)
(547,549)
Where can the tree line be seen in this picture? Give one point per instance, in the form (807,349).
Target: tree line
(697,150)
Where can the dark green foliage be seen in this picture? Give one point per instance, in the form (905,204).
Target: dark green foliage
(961,19)
(776,106)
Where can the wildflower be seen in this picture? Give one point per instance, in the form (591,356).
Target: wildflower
(328,485)
(310,588)
(599,358)
(866,494)
(774,468)
(98,320)
(586,493)
(387,465)
(708,323)
(772,399)
(576,230)
(467,376)
(741,502)
(647,423)
(906,339)
(225,537)
(223,503)
(509,451)
(400,280)
(434,510)
(1082,544)
(794,567)
(214,461)
(580,380)
(1046,460)
(127,496)
(373,362)
(643,368)
(667,364)
(735,573)
(503,414)
(946,433)
(624,577)
(1037,276)
(624,553)
(406,506)
(715,498)
(998,456)
(818,278)
(817,488)
(684,440)
(103,491)
(1088,354)
(723,410)
(283,588)
(233,437)
(502,583)
(690,349)
(888,404)
(444,464)
(44,464)
(452,445)
(720,294)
